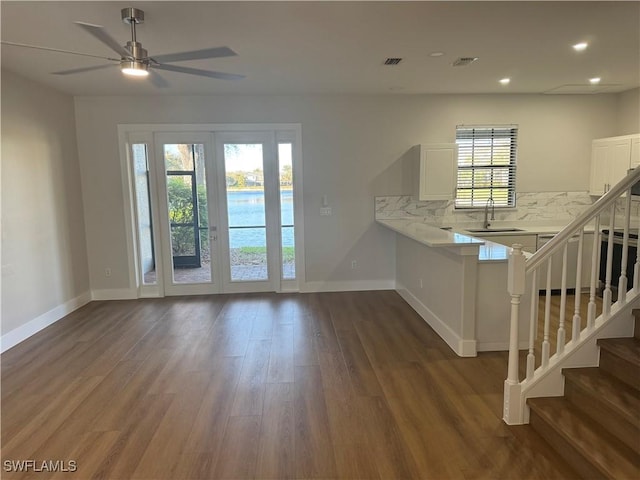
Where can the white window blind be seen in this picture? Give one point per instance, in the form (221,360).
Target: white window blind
(486,165)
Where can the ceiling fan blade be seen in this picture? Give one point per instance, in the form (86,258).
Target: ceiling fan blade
(58,50)
(157,80)
(197,71)
(101,34)
(195,55)
(83,69)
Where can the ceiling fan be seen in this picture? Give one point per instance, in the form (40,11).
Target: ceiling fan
(134,60)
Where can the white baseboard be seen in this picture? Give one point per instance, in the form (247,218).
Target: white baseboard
(348,286)
(462,347)
(17,335)
(114,294)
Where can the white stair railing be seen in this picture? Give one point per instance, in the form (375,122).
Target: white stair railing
(536,274)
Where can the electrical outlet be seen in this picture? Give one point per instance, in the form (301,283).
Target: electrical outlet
(354,264)
(107,272)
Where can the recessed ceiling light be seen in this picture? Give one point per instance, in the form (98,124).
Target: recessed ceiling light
(505,81)
(436,54)
(594,80)
(580,47)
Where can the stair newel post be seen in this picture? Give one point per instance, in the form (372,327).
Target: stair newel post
(606,295)
(577,320)
(516,278)
(622,281)
(591,309)
(560,339)
(546,345)
(533,321)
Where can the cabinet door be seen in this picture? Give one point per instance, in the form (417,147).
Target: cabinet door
(438,172)
(619,161)
(600,152)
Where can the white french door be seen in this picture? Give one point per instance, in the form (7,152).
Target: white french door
(250,235)
(213,211)
(188,213)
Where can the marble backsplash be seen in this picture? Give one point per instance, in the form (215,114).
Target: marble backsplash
(547,207)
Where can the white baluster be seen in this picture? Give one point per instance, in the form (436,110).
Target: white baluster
(606,295)
(547,317)
(595,254)
(577,320)
(533,322)
(563,303)
(622,281)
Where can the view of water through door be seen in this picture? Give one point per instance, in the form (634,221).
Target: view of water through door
(246,212)
(285,167)
(258,211)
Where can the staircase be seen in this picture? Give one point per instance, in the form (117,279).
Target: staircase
(596,425)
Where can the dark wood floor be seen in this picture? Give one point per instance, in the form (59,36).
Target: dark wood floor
(341,385)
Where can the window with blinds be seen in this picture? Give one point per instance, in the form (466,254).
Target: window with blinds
(486,165)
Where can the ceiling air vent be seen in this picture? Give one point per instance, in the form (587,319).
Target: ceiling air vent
(464,61)
(392,61)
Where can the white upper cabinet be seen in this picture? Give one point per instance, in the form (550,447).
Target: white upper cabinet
(437,171)
(611,158)
(635,152)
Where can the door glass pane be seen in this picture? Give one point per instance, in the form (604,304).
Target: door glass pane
(286,210)
(146,254)
(188,212)
(244,172)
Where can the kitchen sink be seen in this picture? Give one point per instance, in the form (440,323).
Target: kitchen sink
(495,230)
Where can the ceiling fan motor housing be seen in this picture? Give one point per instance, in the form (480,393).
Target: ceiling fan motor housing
(136,50)
(132,15)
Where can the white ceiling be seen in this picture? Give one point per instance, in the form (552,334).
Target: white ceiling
(339,47)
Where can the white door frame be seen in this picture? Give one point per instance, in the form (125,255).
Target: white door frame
(145,133)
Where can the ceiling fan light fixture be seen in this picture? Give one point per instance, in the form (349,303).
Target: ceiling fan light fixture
(134,68)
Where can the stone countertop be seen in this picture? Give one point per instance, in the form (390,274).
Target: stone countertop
(433,236)
(459,235)
(430,235)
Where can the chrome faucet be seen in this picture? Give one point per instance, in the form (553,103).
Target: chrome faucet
(486,222)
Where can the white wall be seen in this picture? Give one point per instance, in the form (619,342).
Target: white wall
(352,147)
(628,114)
(44,259)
